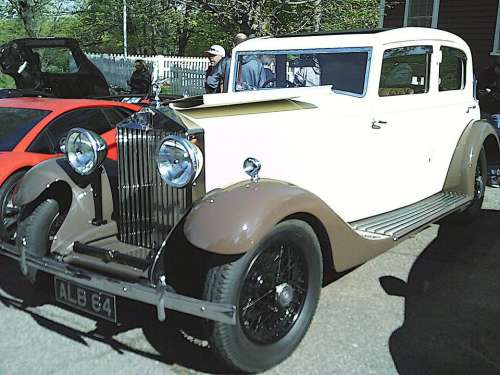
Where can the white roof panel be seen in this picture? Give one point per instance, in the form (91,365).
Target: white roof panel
(346,40)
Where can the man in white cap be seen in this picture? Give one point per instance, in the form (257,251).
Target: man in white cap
(214,76)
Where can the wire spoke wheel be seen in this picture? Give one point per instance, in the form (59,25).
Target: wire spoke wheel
(275,287)
(273,294)
(479,184)
(478,191)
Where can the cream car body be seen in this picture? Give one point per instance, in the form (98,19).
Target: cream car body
(330,147)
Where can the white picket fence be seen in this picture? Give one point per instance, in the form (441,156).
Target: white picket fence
(185,75)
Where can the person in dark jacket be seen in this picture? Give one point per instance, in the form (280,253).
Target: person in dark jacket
(140,80)
(226,61)
(488,85)
(216,72)
(251,74)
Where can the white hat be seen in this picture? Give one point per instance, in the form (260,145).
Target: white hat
(216,50)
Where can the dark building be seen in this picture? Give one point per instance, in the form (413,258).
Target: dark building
(477,22)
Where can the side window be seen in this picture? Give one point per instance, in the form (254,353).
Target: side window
(43,145)
(452,69)
(303,70)
(88,118)
(116,115)
(405,71)
(54,60)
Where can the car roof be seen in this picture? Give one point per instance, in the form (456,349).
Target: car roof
(59,105)
(347,40)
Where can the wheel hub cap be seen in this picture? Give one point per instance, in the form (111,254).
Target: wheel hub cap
(284,295)
(273,294)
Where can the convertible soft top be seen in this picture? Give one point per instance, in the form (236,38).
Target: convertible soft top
(24,60)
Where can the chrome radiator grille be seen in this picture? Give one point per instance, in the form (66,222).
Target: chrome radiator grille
(148,208)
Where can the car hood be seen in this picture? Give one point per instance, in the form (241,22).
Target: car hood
(21,59)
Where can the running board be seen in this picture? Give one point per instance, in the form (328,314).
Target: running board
(402,221)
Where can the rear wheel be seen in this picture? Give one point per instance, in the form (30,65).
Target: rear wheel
(8,211)
(36,233)
(480,179)
(276,288)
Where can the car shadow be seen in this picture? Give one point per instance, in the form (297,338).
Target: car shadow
(452,303)
(171,345)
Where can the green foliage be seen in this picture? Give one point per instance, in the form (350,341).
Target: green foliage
(6,82)
(10,29)
(185,27)
(350,14)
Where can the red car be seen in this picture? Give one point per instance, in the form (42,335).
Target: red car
(31,130)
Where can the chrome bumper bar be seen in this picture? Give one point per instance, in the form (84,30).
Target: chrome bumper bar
(157,295)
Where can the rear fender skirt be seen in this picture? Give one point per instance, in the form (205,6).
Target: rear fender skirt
(232,221)
(77,225)
(461,173)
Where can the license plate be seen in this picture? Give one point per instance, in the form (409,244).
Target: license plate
(86,299)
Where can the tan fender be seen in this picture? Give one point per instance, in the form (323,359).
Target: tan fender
(77,225)
(461,173)
(37,180)
(233,220)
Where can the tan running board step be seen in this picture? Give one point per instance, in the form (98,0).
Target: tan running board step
(402,221)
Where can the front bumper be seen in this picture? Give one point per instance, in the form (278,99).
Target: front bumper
(158,295)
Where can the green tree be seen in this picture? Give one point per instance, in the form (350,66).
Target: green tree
(178,27)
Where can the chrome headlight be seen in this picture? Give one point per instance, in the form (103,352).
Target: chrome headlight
(179,161)
(85,150)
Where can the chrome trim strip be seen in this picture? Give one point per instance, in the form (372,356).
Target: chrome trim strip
(160,295)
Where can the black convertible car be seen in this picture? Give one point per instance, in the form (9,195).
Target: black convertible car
(51,67)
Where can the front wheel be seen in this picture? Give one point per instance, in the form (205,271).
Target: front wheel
(36,232)
(276,288)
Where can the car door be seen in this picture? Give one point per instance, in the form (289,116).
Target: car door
(401,121)
(454,107)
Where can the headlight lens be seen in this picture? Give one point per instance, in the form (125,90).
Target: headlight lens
(86,150)
(179,161)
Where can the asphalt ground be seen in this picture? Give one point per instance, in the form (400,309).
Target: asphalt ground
(428,306)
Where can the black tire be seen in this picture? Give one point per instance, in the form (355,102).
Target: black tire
(34,234)
(472,211)
(254,350)
(9,213)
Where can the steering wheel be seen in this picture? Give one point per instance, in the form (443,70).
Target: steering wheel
(271,83)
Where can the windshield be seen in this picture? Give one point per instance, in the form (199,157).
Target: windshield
(345,69)
(15,123)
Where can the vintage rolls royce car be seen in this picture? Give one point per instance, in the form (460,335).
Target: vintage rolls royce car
(352,142)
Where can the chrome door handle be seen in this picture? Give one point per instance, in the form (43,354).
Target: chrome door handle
(471,107)
(376,124)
